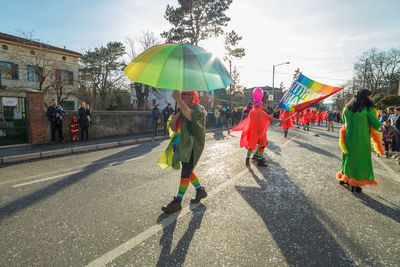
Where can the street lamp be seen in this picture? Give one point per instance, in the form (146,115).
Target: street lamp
(273,76)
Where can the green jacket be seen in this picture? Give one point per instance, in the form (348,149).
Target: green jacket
(357,163)
(191,139)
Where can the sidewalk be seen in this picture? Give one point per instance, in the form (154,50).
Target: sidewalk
(17,153)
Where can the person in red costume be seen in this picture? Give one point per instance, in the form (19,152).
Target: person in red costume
(325,117)
(254,128)
(288,121)
(306,119)
(296,119)
(319,117)
(301,116)
(313,116)
(74,128)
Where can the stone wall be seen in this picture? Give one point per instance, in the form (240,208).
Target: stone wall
(108,123)
(116,123)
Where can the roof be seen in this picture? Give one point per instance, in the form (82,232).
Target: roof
(15,39)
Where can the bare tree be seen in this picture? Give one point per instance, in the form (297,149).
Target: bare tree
(146,40)
(378,71)
(130,48)
(102,73)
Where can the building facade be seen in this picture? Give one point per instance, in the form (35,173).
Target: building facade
(26,66)
(30,65)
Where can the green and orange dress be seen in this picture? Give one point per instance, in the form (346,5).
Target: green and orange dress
(358,129)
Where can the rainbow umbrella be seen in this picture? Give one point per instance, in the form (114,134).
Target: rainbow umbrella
(181,67)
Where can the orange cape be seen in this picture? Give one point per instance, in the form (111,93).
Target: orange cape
(253,129)
(287,124)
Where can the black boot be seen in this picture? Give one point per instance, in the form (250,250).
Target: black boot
(173,206)
(247,161)
(356,189)
(254,157)
(261,163)
(201,193)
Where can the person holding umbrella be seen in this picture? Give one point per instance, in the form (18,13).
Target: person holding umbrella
(183,68)
(189,121)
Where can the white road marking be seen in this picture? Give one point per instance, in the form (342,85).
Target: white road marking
(45,179)
(69,169)
(69,173)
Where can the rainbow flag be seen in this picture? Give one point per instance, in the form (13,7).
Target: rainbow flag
(304,93)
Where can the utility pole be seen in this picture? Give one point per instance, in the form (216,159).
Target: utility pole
(230,85)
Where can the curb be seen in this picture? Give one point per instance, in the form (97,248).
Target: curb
(16,158)
(64,151)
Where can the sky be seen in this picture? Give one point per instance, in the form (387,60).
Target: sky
(323,38)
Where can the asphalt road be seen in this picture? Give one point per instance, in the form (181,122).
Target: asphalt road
(103,208)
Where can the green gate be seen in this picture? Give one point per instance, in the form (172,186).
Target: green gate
(13,121)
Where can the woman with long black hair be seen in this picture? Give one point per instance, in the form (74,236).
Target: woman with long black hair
(360,126)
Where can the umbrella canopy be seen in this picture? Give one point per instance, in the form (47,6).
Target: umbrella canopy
(181,67)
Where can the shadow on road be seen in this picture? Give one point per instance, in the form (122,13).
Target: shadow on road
(317,149)
(219,135)
(294,222)
(273,148)
(393,213)
(50,190)
(321,132)
(178,255)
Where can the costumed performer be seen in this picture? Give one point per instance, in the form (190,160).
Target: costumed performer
(254,128)
(320,117)
(187,144)
(74,128)
(287,123)
(246,111)
(325,117)
(306,119)
(360,125)
(296,119)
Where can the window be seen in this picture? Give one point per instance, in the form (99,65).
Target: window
(32,52)
(65,76)
(68,105)
(33,72)
(64,58)
(9,70)
(4,47)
